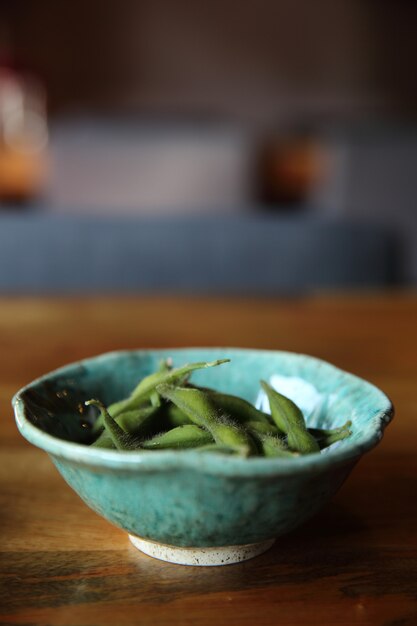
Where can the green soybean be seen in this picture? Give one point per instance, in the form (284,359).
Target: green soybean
(262,427)
(202,411)
(133,422)
(267,437)
(146,387)
(148,384)
(121,439)
(238,408)
(165,411)
(325,437)
(165,366)
(289,418)
(188,436)
(174,416)
(220,449)
(320,432)
(270,445)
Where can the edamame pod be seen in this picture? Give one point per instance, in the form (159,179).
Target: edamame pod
(262,427)
(165,411)
(216,447)
(174,416)
(188,436)
(289,418)
(121,439)
(132,422)
(325,437)
(164,366)
(268,440)
(238,408)
(148,384)
(146,387)
(202,411)
(270,445)
(320,432)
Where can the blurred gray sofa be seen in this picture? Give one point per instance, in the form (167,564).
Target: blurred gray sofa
(246,254)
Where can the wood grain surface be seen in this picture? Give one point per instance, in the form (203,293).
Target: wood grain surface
(354,563)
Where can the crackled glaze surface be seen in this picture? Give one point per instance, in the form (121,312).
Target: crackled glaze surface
(184,498)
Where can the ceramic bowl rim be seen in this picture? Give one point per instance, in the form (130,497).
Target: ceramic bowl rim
(169,460)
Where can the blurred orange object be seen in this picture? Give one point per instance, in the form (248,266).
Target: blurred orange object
(23,137)
(290,168)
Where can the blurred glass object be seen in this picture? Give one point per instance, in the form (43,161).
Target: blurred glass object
(23,137)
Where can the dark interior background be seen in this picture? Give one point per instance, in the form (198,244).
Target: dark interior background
(262,61)
(276,110)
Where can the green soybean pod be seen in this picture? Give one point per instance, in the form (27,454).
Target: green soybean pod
(187,436)
(174,416)
(267,437)
(262,428)
(144,391)
(165,366)
(168,416)
(121,439)
(320,432)
(325,437)
(289,418)
(202,411)
(239,409)
(132,422)
(219,448)
(271,446)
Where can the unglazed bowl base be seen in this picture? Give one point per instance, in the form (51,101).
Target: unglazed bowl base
(224,555)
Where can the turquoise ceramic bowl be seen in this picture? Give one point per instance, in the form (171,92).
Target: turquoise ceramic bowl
(202,508)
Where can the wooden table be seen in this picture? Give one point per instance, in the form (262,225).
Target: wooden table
(355,563)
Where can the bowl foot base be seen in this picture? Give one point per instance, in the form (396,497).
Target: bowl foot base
(225,555)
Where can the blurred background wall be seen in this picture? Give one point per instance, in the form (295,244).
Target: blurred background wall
(277,110)
(262,61)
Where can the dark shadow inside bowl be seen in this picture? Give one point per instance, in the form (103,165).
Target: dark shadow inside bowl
(59,410)
(56,403)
